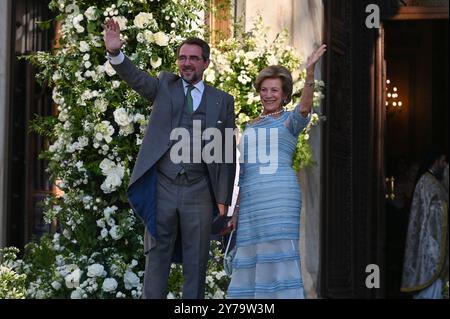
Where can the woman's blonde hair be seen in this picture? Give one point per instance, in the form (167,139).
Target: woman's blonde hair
(276,72)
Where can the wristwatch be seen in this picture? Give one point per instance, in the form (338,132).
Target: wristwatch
(114,53)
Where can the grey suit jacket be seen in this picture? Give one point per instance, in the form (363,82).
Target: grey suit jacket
(167,95)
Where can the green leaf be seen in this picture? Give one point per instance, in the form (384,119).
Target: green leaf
(91,27)
(44,25)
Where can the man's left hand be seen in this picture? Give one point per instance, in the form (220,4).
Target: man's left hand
(222,209)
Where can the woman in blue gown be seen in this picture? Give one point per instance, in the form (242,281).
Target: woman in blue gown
(267,216)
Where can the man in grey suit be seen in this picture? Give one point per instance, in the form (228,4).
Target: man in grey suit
(176,200)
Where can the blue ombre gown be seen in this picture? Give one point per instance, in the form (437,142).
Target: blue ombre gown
(267,260)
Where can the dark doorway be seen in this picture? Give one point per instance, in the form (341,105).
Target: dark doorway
(28,182)
(416,54)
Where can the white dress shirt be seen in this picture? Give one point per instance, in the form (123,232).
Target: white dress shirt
(196,93)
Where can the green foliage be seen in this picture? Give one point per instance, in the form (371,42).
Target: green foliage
(12,284)
(216,279)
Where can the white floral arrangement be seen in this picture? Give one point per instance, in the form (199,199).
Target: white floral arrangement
(97,251)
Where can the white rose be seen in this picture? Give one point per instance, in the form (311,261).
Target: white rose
(121,117)
(107,166)
(111,183)
(73,279)
(109,285)
(127,130)
(148,36)
(67,233)
(139,118)
(56,285)
(155,63)
(104,233)
(210,77)
(101,223)
(101,104)
(95,270)
(115,84)
(90,13)
(161,39)
(131,280)
(115,232)
(143,19)
(140,38)
(76,294)
(109,69)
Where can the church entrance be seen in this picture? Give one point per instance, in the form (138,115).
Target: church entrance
(416,118)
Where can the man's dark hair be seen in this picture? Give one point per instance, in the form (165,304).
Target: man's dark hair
(431,155)
(196,41)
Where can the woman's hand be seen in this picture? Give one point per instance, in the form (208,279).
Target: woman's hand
(113,43)
(314,57)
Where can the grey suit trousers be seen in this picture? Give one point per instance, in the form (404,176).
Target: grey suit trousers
(183,208)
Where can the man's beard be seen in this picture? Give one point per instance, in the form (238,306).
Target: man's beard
(194,77)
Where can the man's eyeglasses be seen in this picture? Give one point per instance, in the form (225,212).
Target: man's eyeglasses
(192,58)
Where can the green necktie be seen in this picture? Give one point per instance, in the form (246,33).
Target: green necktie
(189,100)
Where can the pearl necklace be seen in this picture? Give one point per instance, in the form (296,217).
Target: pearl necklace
(271,114)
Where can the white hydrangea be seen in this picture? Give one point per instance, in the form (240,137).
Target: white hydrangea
(130,280)
(104,131)
(111,183)
(114,174)
(63,115)
(101,104)
(95,270)
(84,46)
(77,294)
(109,285)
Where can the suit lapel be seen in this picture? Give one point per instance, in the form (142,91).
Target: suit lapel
(177,100)
(212,106)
